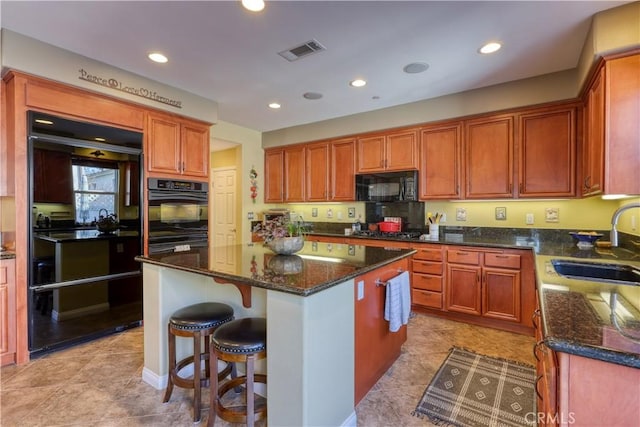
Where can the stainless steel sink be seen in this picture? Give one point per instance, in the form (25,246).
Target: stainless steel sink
(599,272)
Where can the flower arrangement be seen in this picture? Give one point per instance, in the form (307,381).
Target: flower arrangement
(279,228)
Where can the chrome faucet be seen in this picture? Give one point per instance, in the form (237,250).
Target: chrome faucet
(614,221)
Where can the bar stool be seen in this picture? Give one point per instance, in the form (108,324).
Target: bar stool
(195,321)
(245,341)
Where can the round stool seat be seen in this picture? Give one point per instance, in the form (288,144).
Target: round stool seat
(247,335)
(201,316)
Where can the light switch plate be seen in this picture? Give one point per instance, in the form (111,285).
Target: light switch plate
(360,290)
(529,219)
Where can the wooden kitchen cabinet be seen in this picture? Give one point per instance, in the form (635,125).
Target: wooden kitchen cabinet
(489,284)
(52,177)
(612,135)
(393,151)
(176,147)
(330,171)
(547,152)
(284,174)
(427,276)
(593,139)
(317,176)
(440,162)
(489,157)
(376,348)
(7,312)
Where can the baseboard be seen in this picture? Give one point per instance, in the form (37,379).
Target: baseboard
(59,316)
(352,421)
(159,382)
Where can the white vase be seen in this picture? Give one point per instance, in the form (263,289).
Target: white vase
(286,245)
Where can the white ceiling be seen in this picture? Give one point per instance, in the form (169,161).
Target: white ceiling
(220,51)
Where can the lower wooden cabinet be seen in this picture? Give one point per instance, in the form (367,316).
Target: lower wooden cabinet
(427,276)
(7,311)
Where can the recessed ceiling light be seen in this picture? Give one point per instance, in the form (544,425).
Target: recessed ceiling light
(253,5)
(490,47)
(274,105)
(44,122)
(415,67)
(158,57)
(312,95)
(357,83)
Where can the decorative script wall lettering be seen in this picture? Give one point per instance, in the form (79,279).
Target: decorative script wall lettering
(116,84)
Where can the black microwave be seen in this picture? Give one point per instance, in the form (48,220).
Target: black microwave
(387,187)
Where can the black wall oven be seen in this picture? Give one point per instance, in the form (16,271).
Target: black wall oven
(178,215)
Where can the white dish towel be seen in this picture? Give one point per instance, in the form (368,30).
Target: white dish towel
(397,305)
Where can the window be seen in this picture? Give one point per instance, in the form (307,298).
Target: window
(95,187)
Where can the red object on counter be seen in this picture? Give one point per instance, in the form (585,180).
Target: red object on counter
(389,226)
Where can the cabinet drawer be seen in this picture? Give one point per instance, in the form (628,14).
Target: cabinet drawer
(428,255)
(427,267)
(502,260)
(461,256)
(427,298)
(427,282)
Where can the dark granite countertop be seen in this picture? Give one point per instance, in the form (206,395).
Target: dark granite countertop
(576,314)
(80,235)
(304,273)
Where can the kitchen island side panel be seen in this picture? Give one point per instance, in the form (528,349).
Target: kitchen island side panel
(310,361)
(166,290)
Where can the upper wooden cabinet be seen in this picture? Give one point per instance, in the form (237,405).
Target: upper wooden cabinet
(52,176)
(547,152)
(593,138)
(342,170)
(489,157)
(392,151)
(176,147)
(317,172)
(284,174)
(440,165)
(612,134)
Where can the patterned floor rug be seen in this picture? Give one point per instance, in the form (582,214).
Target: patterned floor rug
(472,390)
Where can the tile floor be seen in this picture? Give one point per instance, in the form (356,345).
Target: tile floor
(99,384)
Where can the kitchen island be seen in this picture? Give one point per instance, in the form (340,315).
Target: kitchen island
(309,301)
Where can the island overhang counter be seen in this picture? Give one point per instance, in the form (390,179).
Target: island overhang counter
(309,302)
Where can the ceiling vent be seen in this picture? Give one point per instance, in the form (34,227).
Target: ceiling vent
(301,51)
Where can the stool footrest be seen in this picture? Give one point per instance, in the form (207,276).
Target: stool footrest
(239,413)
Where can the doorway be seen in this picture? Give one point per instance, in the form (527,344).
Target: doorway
(224,230)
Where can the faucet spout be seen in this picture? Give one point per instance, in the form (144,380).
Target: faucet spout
(616,217)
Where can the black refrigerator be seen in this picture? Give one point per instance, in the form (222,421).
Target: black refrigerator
(84,282)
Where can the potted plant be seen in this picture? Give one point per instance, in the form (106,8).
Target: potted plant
(282,235)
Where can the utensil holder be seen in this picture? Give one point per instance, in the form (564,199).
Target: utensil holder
(434,231)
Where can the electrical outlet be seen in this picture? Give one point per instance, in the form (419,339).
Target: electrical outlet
(529,219)
(443,218)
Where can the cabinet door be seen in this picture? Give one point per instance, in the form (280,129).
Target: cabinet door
(440,162)
(547,150)
(343,165)
(501,294)
(195,150)
(401,151)
(273,176)
(53,177)
(294,174)
(371,154)
(463,289)
(317,172)
(593,144)
(489,154)
(7,311)
(163,145)
(622,132)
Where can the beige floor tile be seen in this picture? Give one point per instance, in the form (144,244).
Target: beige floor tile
(99,383)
